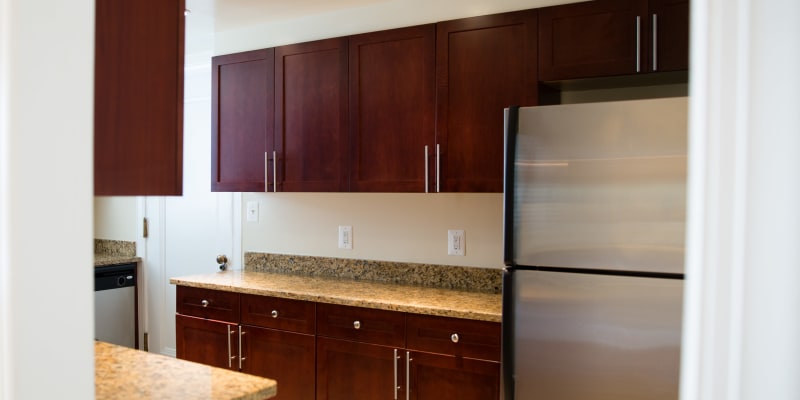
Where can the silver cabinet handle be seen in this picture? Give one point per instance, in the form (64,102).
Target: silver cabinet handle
(655,42)
(638,43)
(408,375)
(230,358)
(454,338)
(241,357)
(274,314)
(204,303)
(437,168)
(425,159)
(396,388)
(357,324)
(274,171)
(266,171)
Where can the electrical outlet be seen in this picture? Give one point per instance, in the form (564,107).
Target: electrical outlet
(346,237)
(252,211)
(456,242)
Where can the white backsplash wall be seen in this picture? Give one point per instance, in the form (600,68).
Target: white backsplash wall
(115,218)
(405,227)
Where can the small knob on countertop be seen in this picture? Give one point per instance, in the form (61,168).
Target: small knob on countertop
(274,313)
(357,324)
(454,338)
(204,303)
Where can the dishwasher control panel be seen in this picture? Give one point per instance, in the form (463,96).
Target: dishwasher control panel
(114,276)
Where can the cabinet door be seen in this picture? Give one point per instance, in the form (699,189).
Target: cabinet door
(311,116)
(353,371)
(483,64)
(592,39)
(207,341)
(286,357)
(392,97)
(445,377)
(669,21)
(138,97)
(242,121)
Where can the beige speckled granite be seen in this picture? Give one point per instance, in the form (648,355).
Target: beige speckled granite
(440,276)
(115,247)
(111,252)
(384,296)
(124,373)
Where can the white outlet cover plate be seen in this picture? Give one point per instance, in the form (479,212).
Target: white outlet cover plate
(252,211)
(456,242)
(346,237)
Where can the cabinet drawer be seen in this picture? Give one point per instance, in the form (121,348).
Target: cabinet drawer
(361,324)
(277,313)
(460,337)
(207,303)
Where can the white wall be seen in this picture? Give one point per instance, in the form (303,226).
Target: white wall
(741,320)
(391,227)
(46,250)
(378,16)
(115,218)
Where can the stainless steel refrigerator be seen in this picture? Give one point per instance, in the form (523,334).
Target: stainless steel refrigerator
(594,214)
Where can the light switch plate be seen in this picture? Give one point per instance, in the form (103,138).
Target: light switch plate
(346,237)
(456,242)
(252,211)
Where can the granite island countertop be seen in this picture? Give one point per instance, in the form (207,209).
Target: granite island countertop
(125,373)
(385,296)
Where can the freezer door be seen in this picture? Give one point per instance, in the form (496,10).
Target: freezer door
(601,186)
(600,337)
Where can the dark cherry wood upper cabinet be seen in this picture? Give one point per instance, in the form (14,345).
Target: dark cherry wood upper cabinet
(242,121)
(595,38)
(483,65)
(138,97)
(669,21)
(392,103)
(311,117)
(613,37)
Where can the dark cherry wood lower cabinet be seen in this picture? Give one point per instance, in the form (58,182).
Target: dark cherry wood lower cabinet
(333,352)
(206,341)
(286,357)
(446,377)
(354,371)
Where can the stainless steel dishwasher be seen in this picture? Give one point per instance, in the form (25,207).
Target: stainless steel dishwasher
(115,305)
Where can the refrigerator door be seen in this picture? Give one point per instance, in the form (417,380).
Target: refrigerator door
(601,337)
(599,186)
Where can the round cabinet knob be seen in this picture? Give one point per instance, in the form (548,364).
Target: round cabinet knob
(454,338)
(274,313)
(357,324)
(204,303)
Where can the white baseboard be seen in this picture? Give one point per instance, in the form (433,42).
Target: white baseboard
(169,351)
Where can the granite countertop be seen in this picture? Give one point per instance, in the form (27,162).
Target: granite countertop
(414,299)
(102,260)
(112,252)
(125,373)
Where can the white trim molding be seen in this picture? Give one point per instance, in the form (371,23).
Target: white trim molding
(741,320)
